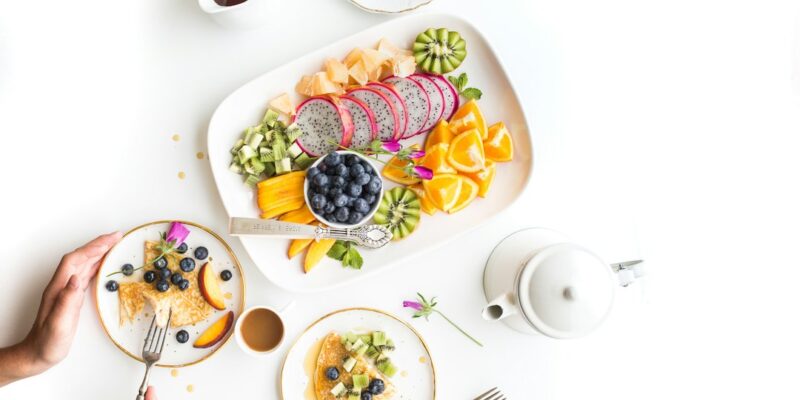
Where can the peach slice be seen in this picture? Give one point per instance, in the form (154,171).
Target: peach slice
(209,287)
(215,332)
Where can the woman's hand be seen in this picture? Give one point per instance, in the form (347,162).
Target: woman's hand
(51,336)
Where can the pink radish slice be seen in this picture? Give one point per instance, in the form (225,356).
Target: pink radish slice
(363,120)
(417,102)
(435,96)
(451,100)
(383,110)
(397,101)
(325,124)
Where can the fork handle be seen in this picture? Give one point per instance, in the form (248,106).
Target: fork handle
(143,387)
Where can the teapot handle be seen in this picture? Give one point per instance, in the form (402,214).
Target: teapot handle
(628,271)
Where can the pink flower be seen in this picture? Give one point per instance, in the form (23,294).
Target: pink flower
(177,234)
(416,154)
(392,146)
(412,304)
(423,172)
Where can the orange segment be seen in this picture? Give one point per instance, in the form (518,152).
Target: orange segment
(499,146)
(484,177)
(424,201)
(469,190)
(443,190)
(436,159)
(394,172)
(467,117)
(466,152)
(440,134)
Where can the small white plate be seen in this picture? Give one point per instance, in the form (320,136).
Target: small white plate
(390,6)
(415,380)
(130,337)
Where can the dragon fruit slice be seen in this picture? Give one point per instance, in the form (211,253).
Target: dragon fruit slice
(451,100)
(417,102)
(436,97)
(383,110)
(363,120)
(397,101)
(325,124)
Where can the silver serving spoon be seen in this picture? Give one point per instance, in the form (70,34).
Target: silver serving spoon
(372,236)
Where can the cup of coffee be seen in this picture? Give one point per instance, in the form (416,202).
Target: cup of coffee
(259,330)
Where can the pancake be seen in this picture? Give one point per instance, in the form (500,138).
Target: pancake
(332,354)
(188,306)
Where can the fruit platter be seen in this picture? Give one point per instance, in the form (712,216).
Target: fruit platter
(411,125)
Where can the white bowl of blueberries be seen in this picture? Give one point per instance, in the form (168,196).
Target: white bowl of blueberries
(343,189)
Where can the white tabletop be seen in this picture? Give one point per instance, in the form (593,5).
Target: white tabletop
(666,131)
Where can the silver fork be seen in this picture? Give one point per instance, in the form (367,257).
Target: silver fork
(493,394)
(151,351)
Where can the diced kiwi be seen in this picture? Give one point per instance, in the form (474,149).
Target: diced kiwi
(283,166)
(270,117)
(338,390)
(399,212)
(349,364)
(372,352)
(294,150)
(251,180)
(360,381)
(387,368)
(304,161)
(354,395)
(236,168)
(245,154)
(350,337)
(378,338)
(255,140)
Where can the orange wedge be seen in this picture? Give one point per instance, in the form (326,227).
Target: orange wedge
(424,201)
(484,177)
(440,134)
(436,159)
(469,190)
(394,172)
(467,117)
(499,146)
(466,152)
(443,190)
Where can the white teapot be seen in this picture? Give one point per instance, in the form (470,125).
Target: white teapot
(536,281)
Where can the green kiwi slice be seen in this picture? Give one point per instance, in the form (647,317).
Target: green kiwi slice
(399,212)
(439,51)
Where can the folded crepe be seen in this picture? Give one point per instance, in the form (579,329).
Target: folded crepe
(332,354)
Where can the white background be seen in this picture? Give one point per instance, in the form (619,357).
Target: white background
(666,130)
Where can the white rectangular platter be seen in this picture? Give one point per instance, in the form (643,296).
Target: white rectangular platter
(245,107)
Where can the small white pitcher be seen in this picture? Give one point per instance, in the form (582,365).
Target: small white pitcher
(537,282)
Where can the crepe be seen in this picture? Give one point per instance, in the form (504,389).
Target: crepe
(332,354)
(188,306)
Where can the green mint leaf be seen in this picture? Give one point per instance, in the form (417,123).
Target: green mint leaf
(472,93)
(454,81)
(462,81)
(355,259)
(338,250)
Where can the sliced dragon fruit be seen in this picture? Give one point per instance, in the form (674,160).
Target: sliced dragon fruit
(325,123)
(417,102)
(436,97)
(386,116)
(397,101)
(366,130)
(451,100)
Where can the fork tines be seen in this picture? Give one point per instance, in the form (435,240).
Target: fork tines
(156,337)
(493,394)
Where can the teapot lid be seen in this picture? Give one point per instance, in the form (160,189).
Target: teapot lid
(566,291)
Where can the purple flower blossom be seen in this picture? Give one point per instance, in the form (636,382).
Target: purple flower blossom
(177,234)
(416,154)
(423,172)
(392,146)
(412,304)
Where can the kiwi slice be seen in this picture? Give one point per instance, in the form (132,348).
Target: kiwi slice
(439,51)
(399,212)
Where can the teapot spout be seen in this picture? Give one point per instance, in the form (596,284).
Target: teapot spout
(501,307)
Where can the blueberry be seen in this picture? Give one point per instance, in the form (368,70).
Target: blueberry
(342,214)
(149,276)
(363,179)
(187,265)
(322,167)
(376,386)
(366,396)
(313,171)
(333,159)
(329,208)
(183,248)
(127,270)
(340,200)
(361,206)
(182,336)
(176,279)
(356,170)
(369,198)
(350,202)
(366,166)
(354,189)
(332,373)
(112,286)
(340,170)
(201,253)
(374,185)
(165,273)
(330,217)
(335,192)
(183,285)
(321,180)
(162,285)
(318,202)
(338,181)
(225,275)
(355,218)
(350,160)
(321,190)
(161,263)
